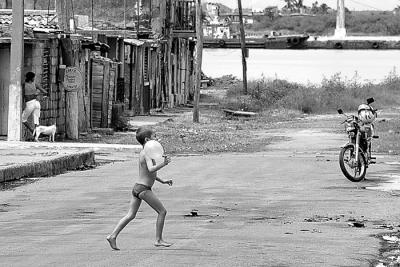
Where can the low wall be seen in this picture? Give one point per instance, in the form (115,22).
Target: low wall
(49,167)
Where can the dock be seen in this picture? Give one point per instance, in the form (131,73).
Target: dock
(278,42)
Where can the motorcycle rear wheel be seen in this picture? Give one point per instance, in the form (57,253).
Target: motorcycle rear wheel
(346,158)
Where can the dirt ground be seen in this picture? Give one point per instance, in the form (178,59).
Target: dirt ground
(286,205)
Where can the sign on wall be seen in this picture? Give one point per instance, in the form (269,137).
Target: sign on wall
(72,79)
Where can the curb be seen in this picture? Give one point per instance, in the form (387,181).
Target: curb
(48,167)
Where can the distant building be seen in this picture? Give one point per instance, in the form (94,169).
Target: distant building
(271,12)
(234,17)
(215,27)
(217,31)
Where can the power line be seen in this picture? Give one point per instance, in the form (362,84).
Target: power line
(366,5)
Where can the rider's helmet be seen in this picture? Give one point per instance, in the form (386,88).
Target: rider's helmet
(365,113)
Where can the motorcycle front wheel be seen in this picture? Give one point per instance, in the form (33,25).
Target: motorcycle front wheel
(353,171)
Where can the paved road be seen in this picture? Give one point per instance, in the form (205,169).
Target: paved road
(288,206)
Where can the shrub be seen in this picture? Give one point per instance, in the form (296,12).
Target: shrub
(333,93)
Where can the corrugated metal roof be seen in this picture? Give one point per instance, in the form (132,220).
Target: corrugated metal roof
(134,42)
(140,42)
(36,21)
(33,22)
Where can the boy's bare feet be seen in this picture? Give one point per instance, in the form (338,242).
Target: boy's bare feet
(162,243)
(113,242)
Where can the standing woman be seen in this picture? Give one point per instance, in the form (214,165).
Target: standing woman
(32,104)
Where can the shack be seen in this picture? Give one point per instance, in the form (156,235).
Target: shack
(47,52)
(150,69)
(159,69)
(41,55)
(158,54)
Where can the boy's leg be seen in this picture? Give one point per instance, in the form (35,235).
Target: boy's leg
(156,204)
(133,208)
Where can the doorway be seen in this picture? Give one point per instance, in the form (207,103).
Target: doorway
(4,84)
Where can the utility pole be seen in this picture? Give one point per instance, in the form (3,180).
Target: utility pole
(92,7)
(16,70)
(64,12)
(124,19)
(243,46)
(138,19)
(199,55)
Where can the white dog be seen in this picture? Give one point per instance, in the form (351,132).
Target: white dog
(46,130)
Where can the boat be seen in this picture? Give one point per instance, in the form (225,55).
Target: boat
(294,41)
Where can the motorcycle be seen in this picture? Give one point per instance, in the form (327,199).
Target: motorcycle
(355,156)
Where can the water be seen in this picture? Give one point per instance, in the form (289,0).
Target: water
(303,66)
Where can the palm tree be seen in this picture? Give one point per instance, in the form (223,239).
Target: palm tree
(294,4)
(324,8)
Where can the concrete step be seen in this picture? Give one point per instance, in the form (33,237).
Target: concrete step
(49,166)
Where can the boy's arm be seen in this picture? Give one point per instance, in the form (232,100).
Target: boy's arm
(152,167)
(169,182)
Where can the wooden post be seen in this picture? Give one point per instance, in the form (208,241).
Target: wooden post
(72,83)
(243,46)
(199,54)
(158,16)
(71,115)
(124,19)
(16,65)
(63,8)
(64,11)
(30,4)
(138,19)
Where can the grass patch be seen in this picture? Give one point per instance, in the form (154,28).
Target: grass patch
(389,135)
(333,93)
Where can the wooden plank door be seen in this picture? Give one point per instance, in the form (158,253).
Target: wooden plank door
(97,93)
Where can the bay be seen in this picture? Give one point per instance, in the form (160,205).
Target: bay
(303,66)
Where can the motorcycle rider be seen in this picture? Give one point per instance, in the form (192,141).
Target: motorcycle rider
(366,114)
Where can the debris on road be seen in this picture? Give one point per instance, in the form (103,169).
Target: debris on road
(318,218)
(356,224)
(239,113)
(391,239)
(194,212)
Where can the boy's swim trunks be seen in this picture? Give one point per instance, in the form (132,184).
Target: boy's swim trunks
(139,188)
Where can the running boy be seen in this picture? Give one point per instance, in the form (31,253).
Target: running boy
(142,191)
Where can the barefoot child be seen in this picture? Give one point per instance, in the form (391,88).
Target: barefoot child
(142,191)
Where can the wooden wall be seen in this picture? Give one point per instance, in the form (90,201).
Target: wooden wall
(158,75)
(104,81)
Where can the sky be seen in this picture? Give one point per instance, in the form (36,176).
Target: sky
(350,4)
